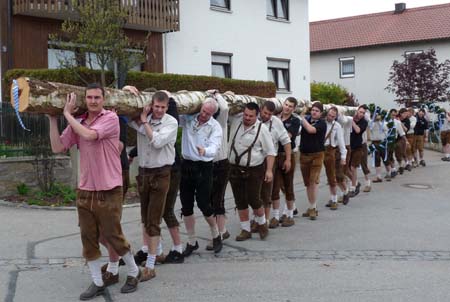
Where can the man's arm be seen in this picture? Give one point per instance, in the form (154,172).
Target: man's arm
(77,127)
(287,162)
(308,127)
(55,139)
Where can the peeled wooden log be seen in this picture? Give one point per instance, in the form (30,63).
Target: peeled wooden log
(45,97)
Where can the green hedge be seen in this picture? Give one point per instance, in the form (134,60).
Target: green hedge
(329,93)
(142,80)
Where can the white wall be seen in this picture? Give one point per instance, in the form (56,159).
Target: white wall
(372,67)
(247,34)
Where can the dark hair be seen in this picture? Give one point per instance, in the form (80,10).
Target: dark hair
(269,105)
(392,110)
(422,110)
(95,86)
(318,105)
(252,106)
(292,100)
(160,96)
(403,110)
(363,106)
(334,108)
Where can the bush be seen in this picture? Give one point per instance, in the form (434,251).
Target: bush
(330,93)
(143,80)
(23,189)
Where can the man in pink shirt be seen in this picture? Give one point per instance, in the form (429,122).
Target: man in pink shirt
(99,194)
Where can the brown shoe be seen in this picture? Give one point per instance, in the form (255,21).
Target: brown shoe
(273,223)
(329,203)
(244,235)
(289,221)
(92,292)
(333,206)
(263,231)
(283,217)
(367,189)
(131,284)
(341,199)
(313,213)
(377,180)
(148,274)
(109,278)
(254,226)
(225,235)
(307,213)
(209,246)
(160,258)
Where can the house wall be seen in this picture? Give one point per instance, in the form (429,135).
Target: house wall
(30,43)
(248,35)
(372,67)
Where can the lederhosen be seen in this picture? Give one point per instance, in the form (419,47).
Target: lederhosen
(246,181)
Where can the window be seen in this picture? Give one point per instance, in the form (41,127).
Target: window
(278,9)
(278,72)
(59,58)
(347,67)
(414,52)
(224,4)
(221,65)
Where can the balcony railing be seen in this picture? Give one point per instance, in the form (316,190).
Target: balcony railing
(150,15)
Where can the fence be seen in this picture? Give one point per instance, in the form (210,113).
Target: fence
(17,142)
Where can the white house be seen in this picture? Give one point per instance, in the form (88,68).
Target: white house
(357,52)
(249,40)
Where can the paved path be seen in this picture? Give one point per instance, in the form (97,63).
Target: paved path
(391,244)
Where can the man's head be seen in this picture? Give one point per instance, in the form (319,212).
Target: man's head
(360,112)
(332,114)
(251,111)
(403,114)
(160,104)
(95,97)
(209,107)
(393,113)
(267,111)
(316,110)
(289,105)
(421,113)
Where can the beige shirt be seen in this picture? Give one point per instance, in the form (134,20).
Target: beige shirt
(346,123)
(160,151)
(399,127)
(278,132)
(378,131)
(244,138)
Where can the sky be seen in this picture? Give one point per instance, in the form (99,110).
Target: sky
(330,9)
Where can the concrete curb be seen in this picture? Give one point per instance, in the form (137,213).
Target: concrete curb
(49,208)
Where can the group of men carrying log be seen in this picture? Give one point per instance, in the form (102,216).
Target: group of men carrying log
(257,157)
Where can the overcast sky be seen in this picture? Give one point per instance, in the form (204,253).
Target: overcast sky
(330,9)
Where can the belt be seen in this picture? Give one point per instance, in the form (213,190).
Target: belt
(143,169)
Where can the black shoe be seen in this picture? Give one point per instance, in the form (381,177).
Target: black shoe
(189,249)
(174,257)
(139,258)
(400,170)
(217,244)
(92,292)
(393,174)
(295,212)
(346,198)
(422,163)
(408,167)
(358,186)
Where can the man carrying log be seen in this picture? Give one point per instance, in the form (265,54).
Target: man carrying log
(201,139)
(156,136)
(251,144)
(99,195)
(312,147)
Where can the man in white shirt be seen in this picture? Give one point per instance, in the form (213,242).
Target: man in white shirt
(156,136)
(445,136)
(410,152)
(279,137)
(346,123)
(378,132)
(251,144)
(401,123)
(334,138)
(201,140)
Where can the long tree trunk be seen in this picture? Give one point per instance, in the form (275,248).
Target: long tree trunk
(45,97)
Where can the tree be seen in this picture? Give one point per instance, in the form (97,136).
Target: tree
(420,77)
(97,39)
(330,93)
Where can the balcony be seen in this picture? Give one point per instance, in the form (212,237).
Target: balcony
(148,15)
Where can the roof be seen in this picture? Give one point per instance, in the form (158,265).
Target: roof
(415,24)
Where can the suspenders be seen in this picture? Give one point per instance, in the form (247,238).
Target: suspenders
(238,157)
(329,133)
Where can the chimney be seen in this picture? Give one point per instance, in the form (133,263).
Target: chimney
(400,8)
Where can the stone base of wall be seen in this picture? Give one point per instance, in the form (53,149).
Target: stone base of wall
(14,171)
